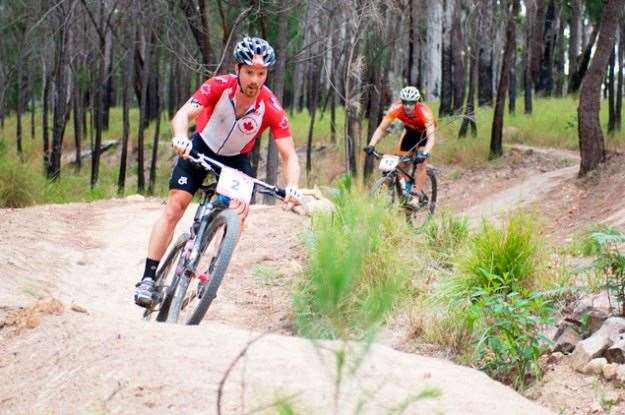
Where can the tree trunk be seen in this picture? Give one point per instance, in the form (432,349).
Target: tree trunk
(485,54)
(278,77)
(544,83)
(610,91)
(197,20)
(20,104)
(108,81)
(433,52)
(445,108)
(126,86)
(528,85)
(77,101)
(592,148)
(512,84)
(145,75)
(469,113)
(537,38)
(496,148)
(574,32)
(459,83)
(619,83)
(60,96)
(44,118)
(157,121)
(559,59)
(578,77)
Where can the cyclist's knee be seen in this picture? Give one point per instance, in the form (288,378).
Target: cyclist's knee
(175,209)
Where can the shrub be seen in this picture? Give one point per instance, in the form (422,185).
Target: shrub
(20,185)
(445,235)
(358,267)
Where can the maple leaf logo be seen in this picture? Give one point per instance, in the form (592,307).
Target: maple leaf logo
(248,125)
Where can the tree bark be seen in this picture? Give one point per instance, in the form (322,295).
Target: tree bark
(20,104)
(537,38)
(496,148)
(446,101)
(278,90)
(143,111)
(77,101)
(433,52)
(469,113)
(44,117)
(578,77)
(197,19)
(619,83)
(574,32)
(485,54)
(459,83)
(544,83)
(592,147)
(157,121)
(512,84)
(126,85)
(559,59)
(61,100)
(528,85)
(610,91)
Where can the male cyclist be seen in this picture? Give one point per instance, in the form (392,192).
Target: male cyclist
(230,112)
(417,138)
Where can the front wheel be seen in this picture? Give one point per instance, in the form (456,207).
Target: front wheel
(419,210)
(198,287)
(166,277)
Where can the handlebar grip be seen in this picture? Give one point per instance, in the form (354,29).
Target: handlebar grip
(280,192)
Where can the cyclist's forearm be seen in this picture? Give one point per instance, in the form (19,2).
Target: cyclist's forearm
(291,170)
(377,136)
(180,124)
(431,139)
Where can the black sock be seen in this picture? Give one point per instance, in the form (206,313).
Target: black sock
(150,268)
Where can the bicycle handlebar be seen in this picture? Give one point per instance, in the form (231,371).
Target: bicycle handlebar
(207,163)
(412,159)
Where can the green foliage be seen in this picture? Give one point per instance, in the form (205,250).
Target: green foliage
(508,338)
(587,244)
(444,235)
(497,259)
(356,270)
(486,306)
(612,261)
(20,186)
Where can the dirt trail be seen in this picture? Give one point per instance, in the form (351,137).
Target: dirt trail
(530,190)
(109,361)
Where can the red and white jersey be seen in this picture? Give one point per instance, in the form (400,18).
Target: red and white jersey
(418,120)
(222,131)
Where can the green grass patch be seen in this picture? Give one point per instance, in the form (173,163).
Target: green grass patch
(357,270)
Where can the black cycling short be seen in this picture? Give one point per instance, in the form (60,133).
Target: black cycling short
(413,139)
(186,176)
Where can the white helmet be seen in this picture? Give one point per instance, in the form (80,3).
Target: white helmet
(410,94)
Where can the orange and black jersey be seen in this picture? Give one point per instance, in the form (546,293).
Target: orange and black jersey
(415,124)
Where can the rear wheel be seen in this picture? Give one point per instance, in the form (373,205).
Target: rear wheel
(198,288)
(165,276)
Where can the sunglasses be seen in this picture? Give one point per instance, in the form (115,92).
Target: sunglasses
(409,103)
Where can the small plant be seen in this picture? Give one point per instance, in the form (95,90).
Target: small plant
(356,271)
(586,244)
(612,261)
(507,333)
(445,235)
(19,185)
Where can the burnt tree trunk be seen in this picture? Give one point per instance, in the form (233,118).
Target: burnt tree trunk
(126,85)
(496,147)
(544,83)
(145,75)
(446,101)
(528,85)
(578,77)
(485,53)
(157,121)
(610,91)
(619,83)
(44,118)
(559,60)
(512,85)
(77,103)
(574,32)
(457,40)
(591,144)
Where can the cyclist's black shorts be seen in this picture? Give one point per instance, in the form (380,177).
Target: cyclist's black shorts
(186,176)
(413,139)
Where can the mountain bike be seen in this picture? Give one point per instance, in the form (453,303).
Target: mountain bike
(418,206)
(192,271)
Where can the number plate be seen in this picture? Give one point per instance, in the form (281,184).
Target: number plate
(235,185)
(388,162)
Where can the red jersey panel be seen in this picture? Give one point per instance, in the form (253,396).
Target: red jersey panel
(222,132)
(417,121)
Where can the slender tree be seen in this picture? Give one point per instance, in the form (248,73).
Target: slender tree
(496,148)
(591,143)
